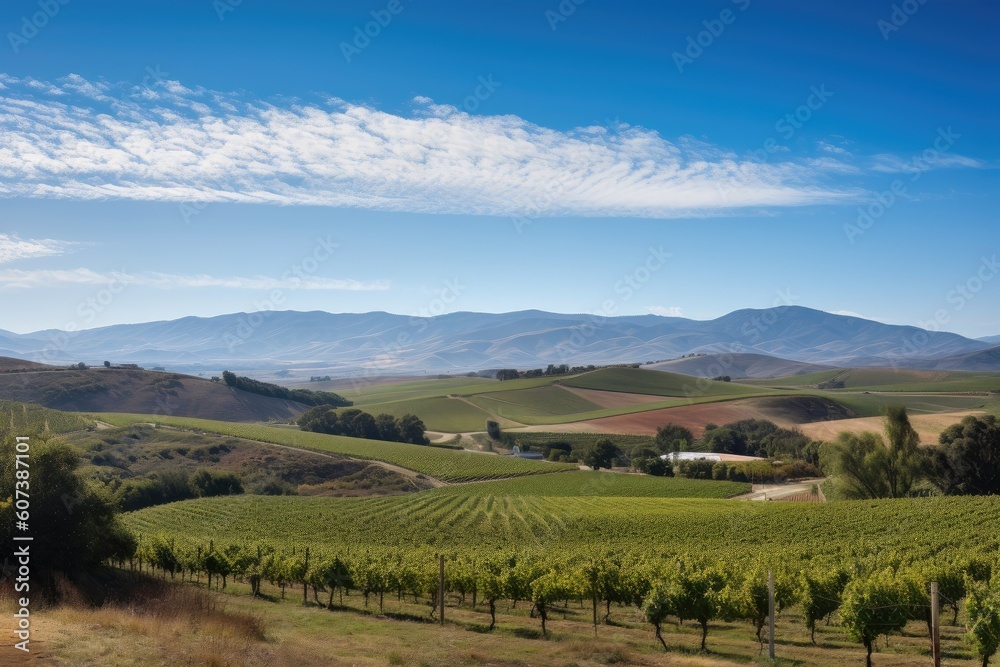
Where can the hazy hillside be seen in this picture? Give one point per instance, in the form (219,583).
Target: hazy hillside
(383,343)
(147,392)
(737,366)
(983,360)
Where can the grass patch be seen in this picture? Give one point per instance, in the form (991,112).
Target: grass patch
(436,462)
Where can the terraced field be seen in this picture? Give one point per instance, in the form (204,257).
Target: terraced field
(444,464)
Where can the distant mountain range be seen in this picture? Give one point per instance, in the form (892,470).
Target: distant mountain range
(992,340)
(379,342)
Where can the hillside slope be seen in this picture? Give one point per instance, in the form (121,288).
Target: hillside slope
(739,365)
(145,392)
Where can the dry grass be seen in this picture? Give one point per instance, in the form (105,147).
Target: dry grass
(162,625)
(928,427)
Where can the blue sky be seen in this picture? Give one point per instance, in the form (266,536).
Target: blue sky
(196,158)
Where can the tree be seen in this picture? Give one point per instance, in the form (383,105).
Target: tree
(967,461)
(545,591)
(873,605)
(865,466)
(411,428)
(388,428)
(507,374)
(659,468)
(673,438)
(819,592)
(746,598)
(694,595)
(75,526)
(206,483)
(602,454)
(107,364)
(725,440)
(656,607)
(363,426)
(493,429)
(321,419)
(904,462)
(983,608)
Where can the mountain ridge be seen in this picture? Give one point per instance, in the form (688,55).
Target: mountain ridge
(378,342)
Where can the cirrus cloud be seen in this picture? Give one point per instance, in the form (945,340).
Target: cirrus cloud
(16,278)
(81,139)
(13,248)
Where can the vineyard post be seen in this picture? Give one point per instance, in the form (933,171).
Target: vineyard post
(935,626)
(770,614)
(441,585)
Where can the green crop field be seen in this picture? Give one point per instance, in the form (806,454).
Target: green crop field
(585,483)
(889,379)
(444,464)
(464,522)
(659,383)
(534,402)
(805,380)
(873,405)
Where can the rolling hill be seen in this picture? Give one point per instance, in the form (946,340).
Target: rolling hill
(146,392)
(379,343)
(739,365)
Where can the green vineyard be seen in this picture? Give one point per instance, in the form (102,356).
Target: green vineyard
(646,560)
(463,520)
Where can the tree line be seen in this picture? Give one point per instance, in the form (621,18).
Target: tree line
(304,396)
(356,423)
(966,460)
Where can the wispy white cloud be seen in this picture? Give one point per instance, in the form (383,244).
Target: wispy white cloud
(894,164)
(83,139)
(14,278)
(828,147)
(665,311)
(13,248)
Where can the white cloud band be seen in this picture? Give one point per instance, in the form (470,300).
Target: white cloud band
(92,140)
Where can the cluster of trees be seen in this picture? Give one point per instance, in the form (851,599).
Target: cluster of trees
(304,396)
(893,465)
(760,437)
(756,472)
(171,485)
(874,594)
(358,424)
